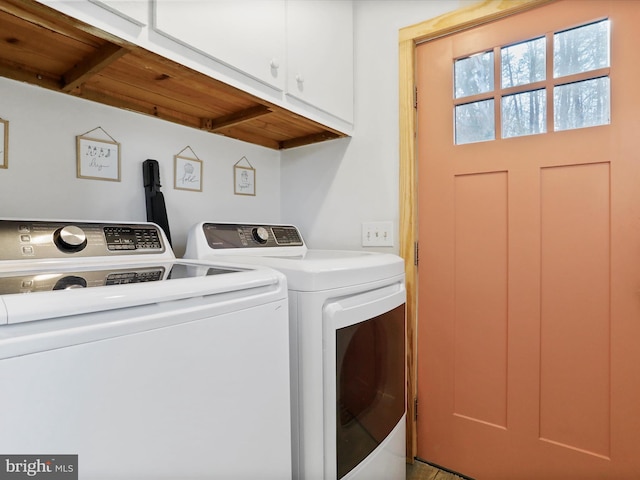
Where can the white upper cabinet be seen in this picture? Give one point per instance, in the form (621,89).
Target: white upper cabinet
(301,47)
(320,55)
(297,54)
(247,35)
(135,11)
(125,19)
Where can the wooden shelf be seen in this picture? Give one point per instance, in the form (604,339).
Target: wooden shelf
(41,46)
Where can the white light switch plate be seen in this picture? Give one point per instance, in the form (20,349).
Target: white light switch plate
(377,234)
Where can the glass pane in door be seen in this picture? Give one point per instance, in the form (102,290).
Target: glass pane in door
(475,122)
(582,104)
(581,49)
(524,114)
(473,75)
(524,63)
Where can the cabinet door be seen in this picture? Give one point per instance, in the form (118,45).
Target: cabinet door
(135,11)
(122,18)
(248,36)
(320,55)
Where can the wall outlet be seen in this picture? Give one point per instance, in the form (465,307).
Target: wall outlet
(377,234)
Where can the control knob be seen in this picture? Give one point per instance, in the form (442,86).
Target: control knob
(70,282)
(260,235)
(70,238)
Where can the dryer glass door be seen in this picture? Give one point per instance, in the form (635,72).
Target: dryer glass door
(370,385)
(367,335)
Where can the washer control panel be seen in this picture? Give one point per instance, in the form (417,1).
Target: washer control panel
(52,280)
(20,240)
(235,235)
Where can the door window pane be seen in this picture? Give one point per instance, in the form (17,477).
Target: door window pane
(581,49)
(582,104)
(475,122)
(523,63)
(524,114)
(473,75)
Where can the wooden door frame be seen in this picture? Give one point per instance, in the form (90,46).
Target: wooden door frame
(409,37)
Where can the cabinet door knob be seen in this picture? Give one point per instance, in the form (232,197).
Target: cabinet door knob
(275,63)
(299,78)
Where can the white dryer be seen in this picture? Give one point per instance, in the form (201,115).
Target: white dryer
(143,366)
(347,321)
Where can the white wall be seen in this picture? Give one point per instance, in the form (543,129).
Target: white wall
(329,189)
(41,179)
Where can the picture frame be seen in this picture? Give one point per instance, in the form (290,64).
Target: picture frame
(187,173)
(4,143)
(97,159)
(244,179)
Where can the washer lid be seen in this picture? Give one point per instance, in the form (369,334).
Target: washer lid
(53,293)
(282,247)
(317,270)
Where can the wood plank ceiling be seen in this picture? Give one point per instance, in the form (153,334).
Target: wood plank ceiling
(41,46)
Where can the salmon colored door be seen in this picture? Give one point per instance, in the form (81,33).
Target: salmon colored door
(529,277)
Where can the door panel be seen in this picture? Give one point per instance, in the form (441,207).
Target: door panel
(529,274)
(575,338)
(480,322)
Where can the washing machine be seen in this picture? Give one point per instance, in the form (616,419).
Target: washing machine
(347,330)
(136,365)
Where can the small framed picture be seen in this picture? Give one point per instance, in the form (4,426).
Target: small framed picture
(98,159)
(245,180)
(4,143)
(187,173)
